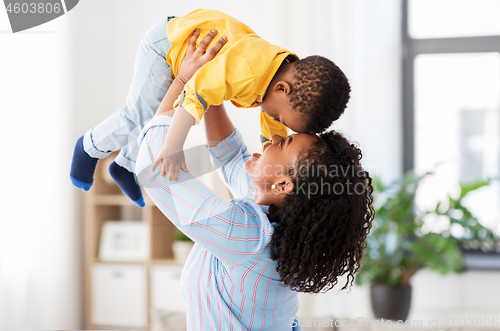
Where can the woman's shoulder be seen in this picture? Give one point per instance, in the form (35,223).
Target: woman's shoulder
(247,203)
(245,210)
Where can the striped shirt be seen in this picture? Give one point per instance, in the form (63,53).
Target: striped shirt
(229,281)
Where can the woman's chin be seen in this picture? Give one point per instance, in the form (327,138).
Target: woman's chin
(250,165)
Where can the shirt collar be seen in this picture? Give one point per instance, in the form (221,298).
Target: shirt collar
(290,58)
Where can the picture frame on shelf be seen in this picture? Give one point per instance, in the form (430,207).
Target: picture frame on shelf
(124,241)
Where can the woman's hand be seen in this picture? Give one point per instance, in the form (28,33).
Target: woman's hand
(196,57)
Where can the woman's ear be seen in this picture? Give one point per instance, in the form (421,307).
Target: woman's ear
(283,186)
(289,187)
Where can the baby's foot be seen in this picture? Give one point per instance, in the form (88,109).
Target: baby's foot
(82,167)
(126,181)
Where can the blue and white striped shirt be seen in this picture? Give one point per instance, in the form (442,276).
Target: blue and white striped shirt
(229,281)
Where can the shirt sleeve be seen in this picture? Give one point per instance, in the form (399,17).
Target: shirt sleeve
(268,127)
(234,231)
(227,77)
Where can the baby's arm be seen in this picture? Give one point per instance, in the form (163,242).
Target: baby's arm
(171,155)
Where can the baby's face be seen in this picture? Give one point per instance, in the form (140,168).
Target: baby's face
(290,118)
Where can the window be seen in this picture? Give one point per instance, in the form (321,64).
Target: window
(453,18)
(451,99)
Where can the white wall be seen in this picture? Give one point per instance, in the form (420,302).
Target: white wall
(472,294)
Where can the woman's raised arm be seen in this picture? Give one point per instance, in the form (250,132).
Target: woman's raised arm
(218,125)
(228,151)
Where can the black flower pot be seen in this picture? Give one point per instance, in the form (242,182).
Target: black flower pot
(390,302)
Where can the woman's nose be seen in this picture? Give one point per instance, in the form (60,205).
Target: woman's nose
(276,138)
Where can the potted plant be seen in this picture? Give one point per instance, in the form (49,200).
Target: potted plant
(398,246)
(181,246)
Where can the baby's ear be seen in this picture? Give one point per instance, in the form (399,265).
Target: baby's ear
(283,86)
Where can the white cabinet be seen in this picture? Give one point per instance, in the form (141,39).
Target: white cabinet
(166,291)
(119,295)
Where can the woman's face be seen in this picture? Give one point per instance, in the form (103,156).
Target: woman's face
(270,167)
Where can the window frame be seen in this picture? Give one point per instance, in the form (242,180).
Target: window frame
(412,47)
(475,259)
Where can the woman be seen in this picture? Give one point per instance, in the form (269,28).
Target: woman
(301,214)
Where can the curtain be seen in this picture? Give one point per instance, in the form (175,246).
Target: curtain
(40,273)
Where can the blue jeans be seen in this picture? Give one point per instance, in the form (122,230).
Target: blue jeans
(152,78)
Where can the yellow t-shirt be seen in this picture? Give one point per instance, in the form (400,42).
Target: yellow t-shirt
(241,71)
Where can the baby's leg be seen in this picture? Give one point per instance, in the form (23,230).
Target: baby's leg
(122,171)
(152,78)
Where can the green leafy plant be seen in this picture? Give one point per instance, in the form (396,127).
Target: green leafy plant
(180,236)
(398,246)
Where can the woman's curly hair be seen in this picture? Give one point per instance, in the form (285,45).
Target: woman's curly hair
(320,91)
(323,223)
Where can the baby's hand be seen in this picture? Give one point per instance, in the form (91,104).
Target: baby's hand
(171,162)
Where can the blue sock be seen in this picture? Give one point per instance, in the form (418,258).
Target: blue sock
(82,167)
(126,181)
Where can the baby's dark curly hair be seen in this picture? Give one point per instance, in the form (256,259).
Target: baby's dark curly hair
(323,223)
(320,90)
